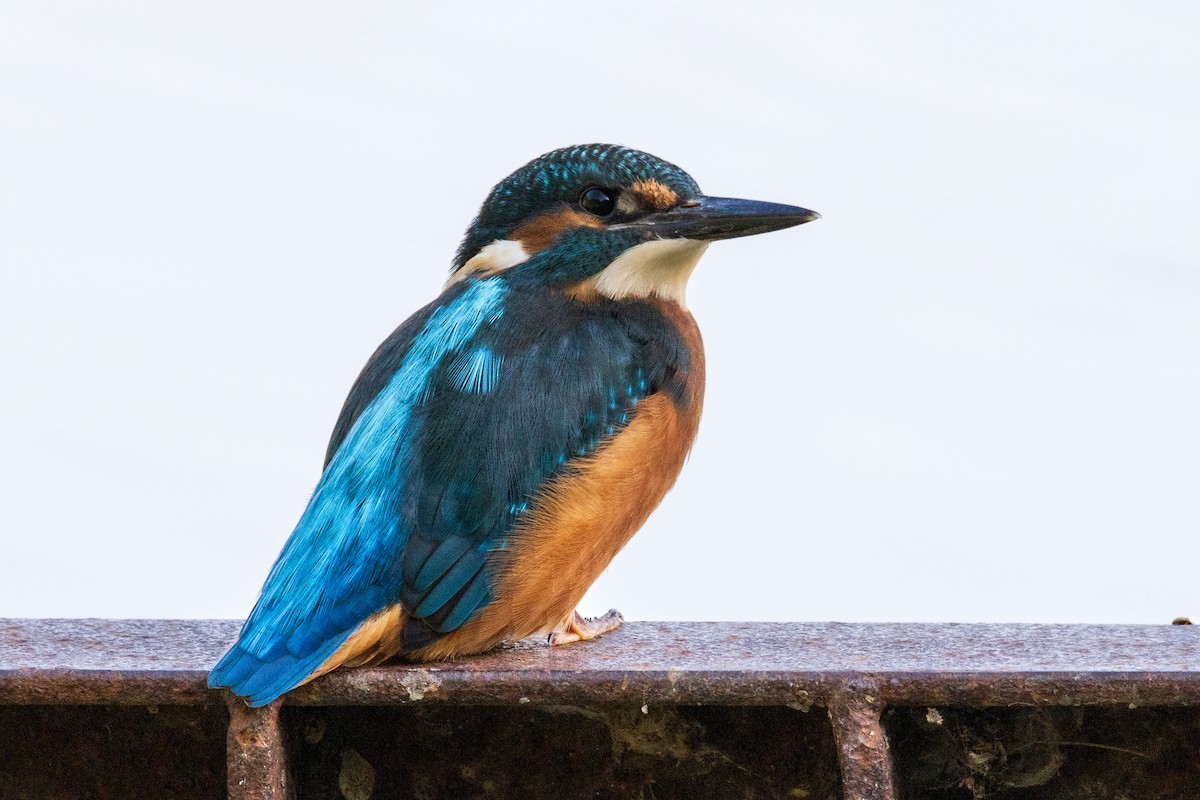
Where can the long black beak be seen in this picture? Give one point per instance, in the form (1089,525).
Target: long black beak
(708,218)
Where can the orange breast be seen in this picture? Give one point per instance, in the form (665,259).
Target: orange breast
(585,516)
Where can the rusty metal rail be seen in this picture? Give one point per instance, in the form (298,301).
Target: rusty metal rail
(94,708)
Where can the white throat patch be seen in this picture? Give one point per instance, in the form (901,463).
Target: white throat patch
(495,257)
(658,268)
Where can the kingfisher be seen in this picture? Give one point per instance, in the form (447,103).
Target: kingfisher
(508,439)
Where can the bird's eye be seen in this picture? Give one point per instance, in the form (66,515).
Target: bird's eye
(600,202)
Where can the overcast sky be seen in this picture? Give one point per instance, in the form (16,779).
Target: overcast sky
(971,392)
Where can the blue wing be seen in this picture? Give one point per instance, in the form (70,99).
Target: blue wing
(525,398)
(452,428)
(340,564)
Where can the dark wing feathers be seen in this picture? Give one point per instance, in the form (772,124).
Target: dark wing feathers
(500,413)
(380,368)
(571,376)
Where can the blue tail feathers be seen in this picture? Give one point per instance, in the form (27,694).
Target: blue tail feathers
(261,680)
(342,563)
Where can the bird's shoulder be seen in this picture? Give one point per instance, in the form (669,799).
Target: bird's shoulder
(537,338)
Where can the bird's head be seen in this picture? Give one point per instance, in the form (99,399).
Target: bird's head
(602,220)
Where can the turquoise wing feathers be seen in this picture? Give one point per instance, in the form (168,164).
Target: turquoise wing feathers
(340,564)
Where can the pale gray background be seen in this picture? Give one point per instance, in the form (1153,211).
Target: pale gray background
(970,392)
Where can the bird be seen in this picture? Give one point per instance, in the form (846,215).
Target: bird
(508,439)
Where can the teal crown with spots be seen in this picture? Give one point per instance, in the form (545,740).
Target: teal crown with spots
(558,178)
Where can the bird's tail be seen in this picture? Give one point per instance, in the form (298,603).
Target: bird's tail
(261,678)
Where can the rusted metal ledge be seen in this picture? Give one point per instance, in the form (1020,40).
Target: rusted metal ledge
(166,662)
(875,683)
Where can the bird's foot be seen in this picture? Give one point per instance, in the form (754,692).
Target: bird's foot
(578,628)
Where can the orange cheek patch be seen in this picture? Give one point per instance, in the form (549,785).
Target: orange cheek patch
(654,195)
(540,232)
(583,292)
